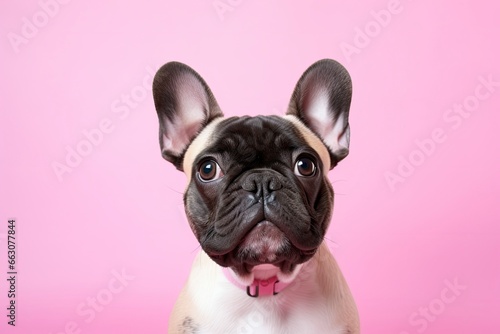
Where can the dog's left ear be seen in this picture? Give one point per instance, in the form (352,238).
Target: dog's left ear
(185,105)
(321,100)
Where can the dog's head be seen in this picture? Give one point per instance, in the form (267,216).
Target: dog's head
(258,191)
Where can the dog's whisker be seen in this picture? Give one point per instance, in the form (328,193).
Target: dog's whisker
(197,248)
(175,191)
(331,241)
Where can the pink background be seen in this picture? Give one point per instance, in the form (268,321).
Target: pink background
(399,246)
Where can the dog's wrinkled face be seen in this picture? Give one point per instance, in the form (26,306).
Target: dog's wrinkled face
(258,194)
(258,191)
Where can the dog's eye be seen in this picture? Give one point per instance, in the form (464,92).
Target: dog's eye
(209,171)
(305,167)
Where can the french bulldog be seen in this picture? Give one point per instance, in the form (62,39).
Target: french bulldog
(259,202)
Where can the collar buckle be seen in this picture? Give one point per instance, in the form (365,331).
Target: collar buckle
(268,287)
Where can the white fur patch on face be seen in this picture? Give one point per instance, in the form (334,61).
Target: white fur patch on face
(198,144)
(312,140)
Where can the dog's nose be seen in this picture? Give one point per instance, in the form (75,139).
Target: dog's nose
(262,185)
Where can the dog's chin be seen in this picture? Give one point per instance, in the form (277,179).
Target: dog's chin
(263,253)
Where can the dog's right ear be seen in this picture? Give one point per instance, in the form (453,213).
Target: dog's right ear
(185,105)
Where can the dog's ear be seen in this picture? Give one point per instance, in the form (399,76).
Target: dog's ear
(185,105)
(321,100)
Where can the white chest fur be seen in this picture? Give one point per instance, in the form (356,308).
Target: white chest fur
(306,306)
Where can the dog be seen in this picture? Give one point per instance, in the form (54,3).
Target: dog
(259,202)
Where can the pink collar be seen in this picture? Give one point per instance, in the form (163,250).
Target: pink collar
(268,287)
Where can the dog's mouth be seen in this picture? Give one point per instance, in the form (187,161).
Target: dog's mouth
(264,244)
